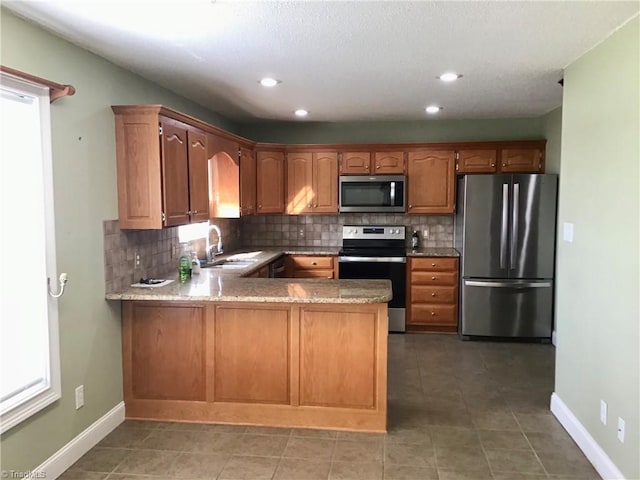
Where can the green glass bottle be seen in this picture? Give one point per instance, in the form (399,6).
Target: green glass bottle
(184,265)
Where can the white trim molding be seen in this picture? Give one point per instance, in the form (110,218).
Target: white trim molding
(60,461)
(600,460)
(553,338)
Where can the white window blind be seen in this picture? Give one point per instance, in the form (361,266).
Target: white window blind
(29,358)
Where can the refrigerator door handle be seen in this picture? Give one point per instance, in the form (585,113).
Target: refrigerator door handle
(514,225)
(504,226)
(490,284)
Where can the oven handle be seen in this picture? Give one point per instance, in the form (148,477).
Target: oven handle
(373,259)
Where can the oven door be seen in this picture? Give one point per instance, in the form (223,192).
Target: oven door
(385,268)
(380,193)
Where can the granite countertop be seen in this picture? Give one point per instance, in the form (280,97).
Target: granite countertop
(294,250)
(433,252)
(228,285)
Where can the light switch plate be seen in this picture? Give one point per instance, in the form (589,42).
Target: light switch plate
(621,429)
(567,232)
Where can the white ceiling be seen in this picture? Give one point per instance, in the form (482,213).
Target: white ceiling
(343,60)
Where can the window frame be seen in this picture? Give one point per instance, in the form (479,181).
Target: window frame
(37,399)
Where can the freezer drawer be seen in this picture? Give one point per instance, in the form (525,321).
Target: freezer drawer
(506,308)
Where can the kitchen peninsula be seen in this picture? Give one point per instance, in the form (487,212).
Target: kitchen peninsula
(277,352)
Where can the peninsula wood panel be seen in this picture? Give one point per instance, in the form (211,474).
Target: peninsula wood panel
(270,182)
(477,161)
(167,352)
(251,354)
(338,358)
(198,176)
(175,173)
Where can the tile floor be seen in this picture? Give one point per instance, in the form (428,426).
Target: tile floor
(457,411)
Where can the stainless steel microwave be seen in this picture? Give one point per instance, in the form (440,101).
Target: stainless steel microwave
(375,193)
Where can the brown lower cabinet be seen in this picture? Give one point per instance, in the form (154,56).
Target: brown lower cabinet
(311,266)
(432,296)
(293,365)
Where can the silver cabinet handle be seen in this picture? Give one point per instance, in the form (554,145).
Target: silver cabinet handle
(514,224)
(505,225)
(479,283)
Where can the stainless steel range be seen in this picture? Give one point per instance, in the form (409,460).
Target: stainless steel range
(377,252)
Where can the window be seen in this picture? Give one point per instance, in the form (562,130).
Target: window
(29,357)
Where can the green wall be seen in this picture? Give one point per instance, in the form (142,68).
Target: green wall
(597,310)
(552,131)
(85,194)
(392,132)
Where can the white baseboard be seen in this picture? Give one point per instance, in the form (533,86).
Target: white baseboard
(60,461)
(600,460)
(553,338)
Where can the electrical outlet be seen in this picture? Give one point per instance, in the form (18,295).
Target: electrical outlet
(301,232)
(136,260)
(79,397)
(603,412)
(621,430)
(425,233)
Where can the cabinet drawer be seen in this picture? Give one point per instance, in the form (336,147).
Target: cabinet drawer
(313,274)
(424,294)
(309,262)
(435,264)
(434,315)
(434,278)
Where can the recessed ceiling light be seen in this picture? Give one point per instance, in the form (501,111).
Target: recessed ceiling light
(449,77)
(433,109)
(301,112)
(269,82)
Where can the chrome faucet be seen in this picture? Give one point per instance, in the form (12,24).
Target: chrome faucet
(213,250)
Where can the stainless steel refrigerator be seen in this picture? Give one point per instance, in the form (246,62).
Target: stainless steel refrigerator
(505,230)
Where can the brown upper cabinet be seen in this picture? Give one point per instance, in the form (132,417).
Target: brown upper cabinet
(476,161)
(224,177)
(431,181)
(247,182)
(161,169)
(521,160)
(312,182)
(368,163)
(270,182)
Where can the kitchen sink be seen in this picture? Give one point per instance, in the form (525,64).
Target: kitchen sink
(230,264)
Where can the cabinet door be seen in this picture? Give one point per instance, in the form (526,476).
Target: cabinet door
(175,174)
(224,191)
(355,163)
(198,176)
(325,182)
(477,161)
(431,179)
(387,163)
(521,160)
(247,182)
(299,183)
(270,182)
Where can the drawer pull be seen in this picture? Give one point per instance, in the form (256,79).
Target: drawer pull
(433,294)
(433,264)
(433,314)
(314,263)
(433,278)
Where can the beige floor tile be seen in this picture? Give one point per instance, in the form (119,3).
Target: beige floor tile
(357,436)
(409,472)
(560,463)
(101,459)
(147,462)
(455,437)
(249,468)
(355,471)
(197,466)
(309,447)
(180,426)
(457,458)
(125,437)
(519,461)
(214,442)
(490,420)
(476,474)
(268,431)
(520,476)
(401,454)
(141,424)
(417,435)
(161,439)
(74,474)
(503,439)
(302,469)
(367,451)
(261,445)
(222,428)
(545,423)
(311,432)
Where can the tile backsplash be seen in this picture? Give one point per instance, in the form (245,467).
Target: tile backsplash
(326,230)
(158,249)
